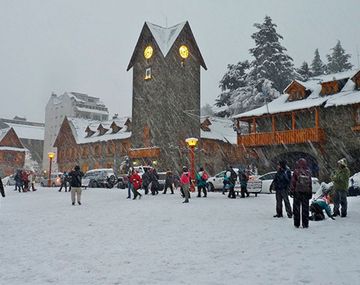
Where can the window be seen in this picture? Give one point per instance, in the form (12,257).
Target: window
(148,73)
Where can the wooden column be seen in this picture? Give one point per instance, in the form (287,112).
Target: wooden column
(317,118)
(273,126)
(254,125)
(293,121)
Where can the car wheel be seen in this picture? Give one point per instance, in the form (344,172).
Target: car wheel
(93,184)
(211,187)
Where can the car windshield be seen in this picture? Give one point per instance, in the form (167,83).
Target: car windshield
(221,174)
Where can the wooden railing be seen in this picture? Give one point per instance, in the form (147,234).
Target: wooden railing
(282,137)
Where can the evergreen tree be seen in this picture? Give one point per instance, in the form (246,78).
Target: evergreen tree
(338,60)
(270,60)
(317,66)
(304,71)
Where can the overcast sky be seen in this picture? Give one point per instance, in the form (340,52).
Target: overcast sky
(85,45)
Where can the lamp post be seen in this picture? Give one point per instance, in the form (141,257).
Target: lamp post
(51,156)
(192,144)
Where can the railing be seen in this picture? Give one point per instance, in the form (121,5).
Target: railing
(282,137)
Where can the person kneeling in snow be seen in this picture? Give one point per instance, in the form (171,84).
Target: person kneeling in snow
(320,203)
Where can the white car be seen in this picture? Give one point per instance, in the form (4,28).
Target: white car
(102,177)
(216,182)
(268,178)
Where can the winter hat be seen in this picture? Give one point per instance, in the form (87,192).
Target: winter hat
(185,169)
(342,162)
(282,163)
(77,167)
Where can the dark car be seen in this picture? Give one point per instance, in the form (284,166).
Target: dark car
(122,182)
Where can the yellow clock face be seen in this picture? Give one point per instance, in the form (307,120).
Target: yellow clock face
(184,51)
(148,52)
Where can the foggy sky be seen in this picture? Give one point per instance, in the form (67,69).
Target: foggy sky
(85,45)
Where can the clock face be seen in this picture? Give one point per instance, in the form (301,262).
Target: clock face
(184,51)
(148,52)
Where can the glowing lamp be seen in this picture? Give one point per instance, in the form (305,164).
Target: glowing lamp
(51,155)
(184,51)
(191,142)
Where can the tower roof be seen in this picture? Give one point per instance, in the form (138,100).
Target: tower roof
(165,39)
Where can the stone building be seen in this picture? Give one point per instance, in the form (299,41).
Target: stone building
(166,65)
(318,119)
(93,144)
(31,135)
(12,152)
(71,104)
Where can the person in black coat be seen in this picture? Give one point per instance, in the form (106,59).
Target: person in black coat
(281,184)
(146,181)
(2,188)
(75,183)
(154,179)
(169,180)
(232,181)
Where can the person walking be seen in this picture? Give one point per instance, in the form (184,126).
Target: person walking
(301,190)
(281,185)
(341,185)
(25,180)
(18,185)
(154,181)
(232,181)
(201,178)
(185,181)
(243,178)
(146,180)
(136,182)
(129,183)
(75,183)
(169,180)
(2,188)
(32,177)
(64,181)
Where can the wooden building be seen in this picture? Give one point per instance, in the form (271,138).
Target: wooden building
(318,119)
(12,152)
(166,65)
(93,144)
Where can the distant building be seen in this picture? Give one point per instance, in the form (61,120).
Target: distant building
(12,152)
(93,144)
(70,104)
(31,135)
(166,65)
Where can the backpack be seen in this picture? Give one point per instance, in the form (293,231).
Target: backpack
(205,176)
(303,183)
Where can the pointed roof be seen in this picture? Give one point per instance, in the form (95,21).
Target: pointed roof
(165,39)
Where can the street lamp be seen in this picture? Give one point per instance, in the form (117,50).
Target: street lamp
(192,144)
(51,156)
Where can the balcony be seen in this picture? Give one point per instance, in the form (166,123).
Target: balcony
(297,136)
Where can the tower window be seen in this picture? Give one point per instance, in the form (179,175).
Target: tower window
(148,73)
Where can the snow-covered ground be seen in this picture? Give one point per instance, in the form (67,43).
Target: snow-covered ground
(159,240)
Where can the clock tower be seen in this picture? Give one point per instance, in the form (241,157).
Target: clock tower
(166,67)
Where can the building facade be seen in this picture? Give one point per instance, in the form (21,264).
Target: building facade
(93,144)
(31,135)
(12,152)
(318,120)
(70,104)
(166,65)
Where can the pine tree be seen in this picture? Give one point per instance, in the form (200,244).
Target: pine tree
(317,66)
(338,60)
(304,71)
(270,60)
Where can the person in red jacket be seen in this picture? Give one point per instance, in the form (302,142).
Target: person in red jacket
(136,182)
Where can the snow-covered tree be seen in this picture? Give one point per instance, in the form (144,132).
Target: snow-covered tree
(270,60)
(304,71)
(338,61)
(206,110)
(317,66)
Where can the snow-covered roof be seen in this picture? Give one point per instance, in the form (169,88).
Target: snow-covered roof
(347,96)
(3,133)
(165,37)
(28,131)
(79,125)
(9,148)
(220,129)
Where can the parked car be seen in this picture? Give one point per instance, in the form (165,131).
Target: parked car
(267,179)
(9,180)
(215,183)
(162,177)
(354,185)
(55,180)
(102,177)
(122,181)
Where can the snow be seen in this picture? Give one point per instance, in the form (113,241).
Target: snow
(3,133)
(28,132)
(10,148)
(220,129)
(165,37)
(348,95)
(91,110)
(79,125)
(159,240)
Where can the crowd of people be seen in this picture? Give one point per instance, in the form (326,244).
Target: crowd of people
(297,185)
